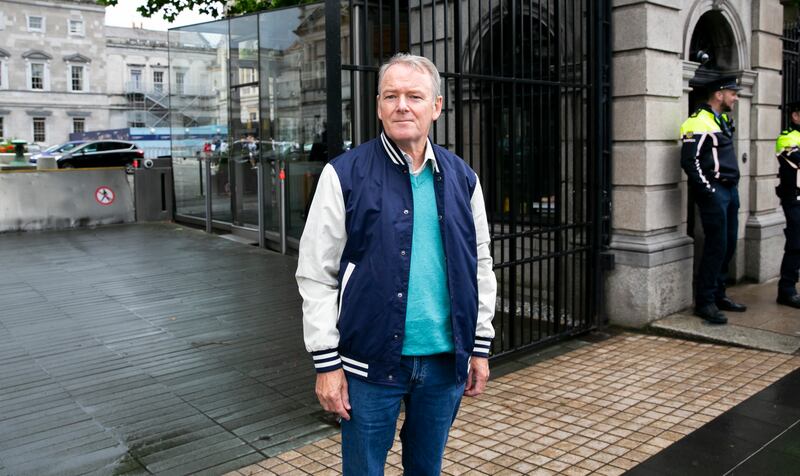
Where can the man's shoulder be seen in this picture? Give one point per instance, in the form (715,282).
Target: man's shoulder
(451,157)
(699,121)
(787,140)
(360,150)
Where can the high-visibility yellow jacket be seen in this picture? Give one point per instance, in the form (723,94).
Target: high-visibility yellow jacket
(708,156)
(787,149)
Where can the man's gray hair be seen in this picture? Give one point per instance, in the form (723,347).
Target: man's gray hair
(419,63)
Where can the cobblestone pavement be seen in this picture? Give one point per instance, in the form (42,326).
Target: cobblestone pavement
(599,409)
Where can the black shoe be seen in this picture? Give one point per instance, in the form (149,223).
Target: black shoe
(726,304)
(711,314)
(792,301)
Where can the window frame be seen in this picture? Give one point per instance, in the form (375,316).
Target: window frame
(71,78)
(34,122)
(158,85)
(78,120)
(80,21)
(180,82)
(42,28)
(31,77)
(2,126)
(3,73)
(136,84)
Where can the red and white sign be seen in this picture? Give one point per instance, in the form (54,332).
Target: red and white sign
(104,196)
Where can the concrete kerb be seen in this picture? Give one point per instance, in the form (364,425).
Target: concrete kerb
(685,325)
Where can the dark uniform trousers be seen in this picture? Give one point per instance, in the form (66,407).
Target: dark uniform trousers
(791,255)
(719,214)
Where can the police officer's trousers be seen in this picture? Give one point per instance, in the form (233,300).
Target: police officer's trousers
(719,214)
(791,254)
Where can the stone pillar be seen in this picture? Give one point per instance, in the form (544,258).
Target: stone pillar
(764,238)
(652,275)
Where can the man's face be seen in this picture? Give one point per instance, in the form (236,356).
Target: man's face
(796,117)
(406,105)
(729,98)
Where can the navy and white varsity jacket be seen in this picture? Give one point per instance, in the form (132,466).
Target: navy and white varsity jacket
(354,260)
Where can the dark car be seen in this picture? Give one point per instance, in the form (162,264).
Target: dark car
(101,153)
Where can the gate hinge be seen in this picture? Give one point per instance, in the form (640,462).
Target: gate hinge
(606,261)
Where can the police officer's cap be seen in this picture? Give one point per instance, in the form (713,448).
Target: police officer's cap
(792,106)
(725,82)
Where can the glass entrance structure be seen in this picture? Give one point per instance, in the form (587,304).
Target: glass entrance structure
(248,118)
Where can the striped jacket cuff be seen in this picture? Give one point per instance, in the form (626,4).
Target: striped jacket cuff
(326,360)
(482,347)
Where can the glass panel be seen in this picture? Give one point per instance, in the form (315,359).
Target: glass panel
(247,146)
(37,76)
(199,117)
(293,102)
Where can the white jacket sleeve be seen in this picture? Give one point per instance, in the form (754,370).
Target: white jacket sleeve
(321,248)
(487,281)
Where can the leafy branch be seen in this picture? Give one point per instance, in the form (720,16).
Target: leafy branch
(169,9)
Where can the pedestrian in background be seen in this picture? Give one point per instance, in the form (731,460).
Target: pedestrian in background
(709,159)
(396,276)
(787,148)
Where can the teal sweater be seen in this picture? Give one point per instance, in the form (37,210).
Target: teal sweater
(428,327)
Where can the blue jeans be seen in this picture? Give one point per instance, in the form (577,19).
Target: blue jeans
(428,387)
(719,214)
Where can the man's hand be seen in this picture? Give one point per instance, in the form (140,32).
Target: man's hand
(477,377)
(332,392)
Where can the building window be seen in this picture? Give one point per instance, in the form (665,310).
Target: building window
(76,77)
(37,75)
(76,27)
(2,129)
(136,79)
(78,125)
(180,82)
(39,129)
(2,21)
(35,23)
(158,81)
(2,72)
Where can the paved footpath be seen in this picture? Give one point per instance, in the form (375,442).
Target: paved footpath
(148,349)
(603,408)
(159,349)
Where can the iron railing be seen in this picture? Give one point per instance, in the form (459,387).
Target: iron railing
(791,65)
(526,87)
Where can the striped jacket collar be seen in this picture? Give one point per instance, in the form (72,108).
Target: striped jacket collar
(399,157)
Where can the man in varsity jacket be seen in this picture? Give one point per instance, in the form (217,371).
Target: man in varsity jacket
(709,159)
(787,148)
(396,277)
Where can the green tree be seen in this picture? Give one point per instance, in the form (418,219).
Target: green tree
(169,9)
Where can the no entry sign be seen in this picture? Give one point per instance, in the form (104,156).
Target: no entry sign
(104,195)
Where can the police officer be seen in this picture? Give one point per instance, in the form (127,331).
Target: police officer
(787,148)
(709,160)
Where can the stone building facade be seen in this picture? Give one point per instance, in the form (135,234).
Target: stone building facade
(62,71)
(655,57)
(53,61)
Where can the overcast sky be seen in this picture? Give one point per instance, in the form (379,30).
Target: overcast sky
(125,14)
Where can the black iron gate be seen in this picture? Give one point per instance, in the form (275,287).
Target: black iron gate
(526,104)
(791,64)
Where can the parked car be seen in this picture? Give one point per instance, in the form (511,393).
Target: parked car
(101,153)
(56,150)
